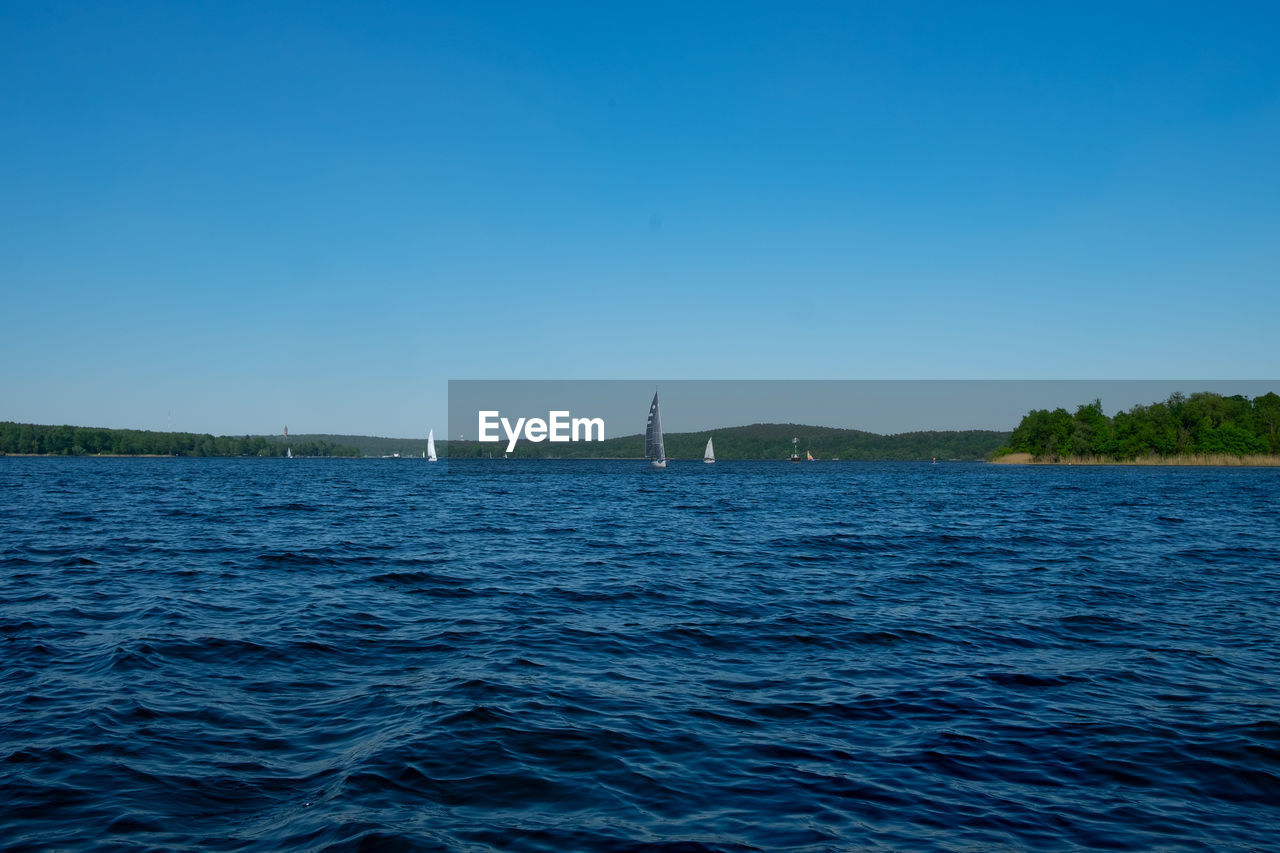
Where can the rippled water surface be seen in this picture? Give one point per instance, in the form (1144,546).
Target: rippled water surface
(377,654)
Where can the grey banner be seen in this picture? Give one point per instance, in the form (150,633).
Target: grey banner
(590,418)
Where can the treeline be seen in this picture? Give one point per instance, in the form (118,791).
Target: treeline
(373,445)
(92,441)
(1201,424)
(762,441)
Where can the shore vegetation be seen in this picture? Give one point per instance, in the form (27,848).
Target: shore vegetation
(39,440)
(763,441)
(1201,429)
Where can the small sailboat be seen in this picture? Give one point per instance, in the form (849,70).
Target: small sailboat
(431,445)
(653,447)
(288,452)
(809,456)
(709,455)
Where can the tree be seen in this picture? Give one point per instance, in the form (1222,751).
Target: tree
(1266,412)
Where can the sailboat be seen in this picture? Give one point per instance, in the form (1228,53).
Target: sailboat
(808,454)
(431,445)
(709,455)
(653,448)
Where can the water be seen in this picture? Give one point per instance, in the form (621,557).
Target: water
(377,654)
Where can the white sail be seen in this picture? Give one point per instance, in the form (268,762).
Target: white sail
(653,447)
(431,445)
(709,455)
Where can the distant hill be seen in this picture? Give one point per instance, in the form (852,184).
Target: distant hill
(366,445)
(757,441)
(65,440)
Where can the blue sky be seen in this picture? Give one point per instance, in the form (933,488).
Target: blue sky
(229,217)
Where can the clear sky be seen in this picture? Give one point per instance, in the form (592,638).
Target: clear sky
(233,216)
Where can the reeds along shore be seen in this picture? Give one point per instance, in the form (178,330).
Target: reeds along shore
(1251,460)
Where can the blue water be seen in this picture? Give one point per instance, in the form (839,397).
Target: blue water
(377,654)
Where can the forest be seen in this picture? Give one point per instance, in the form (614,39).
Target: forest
(764,441)
(1203,423)
(92,441)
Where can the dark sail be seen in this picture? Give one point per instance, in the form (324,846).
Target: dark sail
(653,448)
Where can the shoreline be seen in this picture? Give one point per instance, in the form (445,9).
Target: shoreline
(1199,460)
(98,456)
(1202,460)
